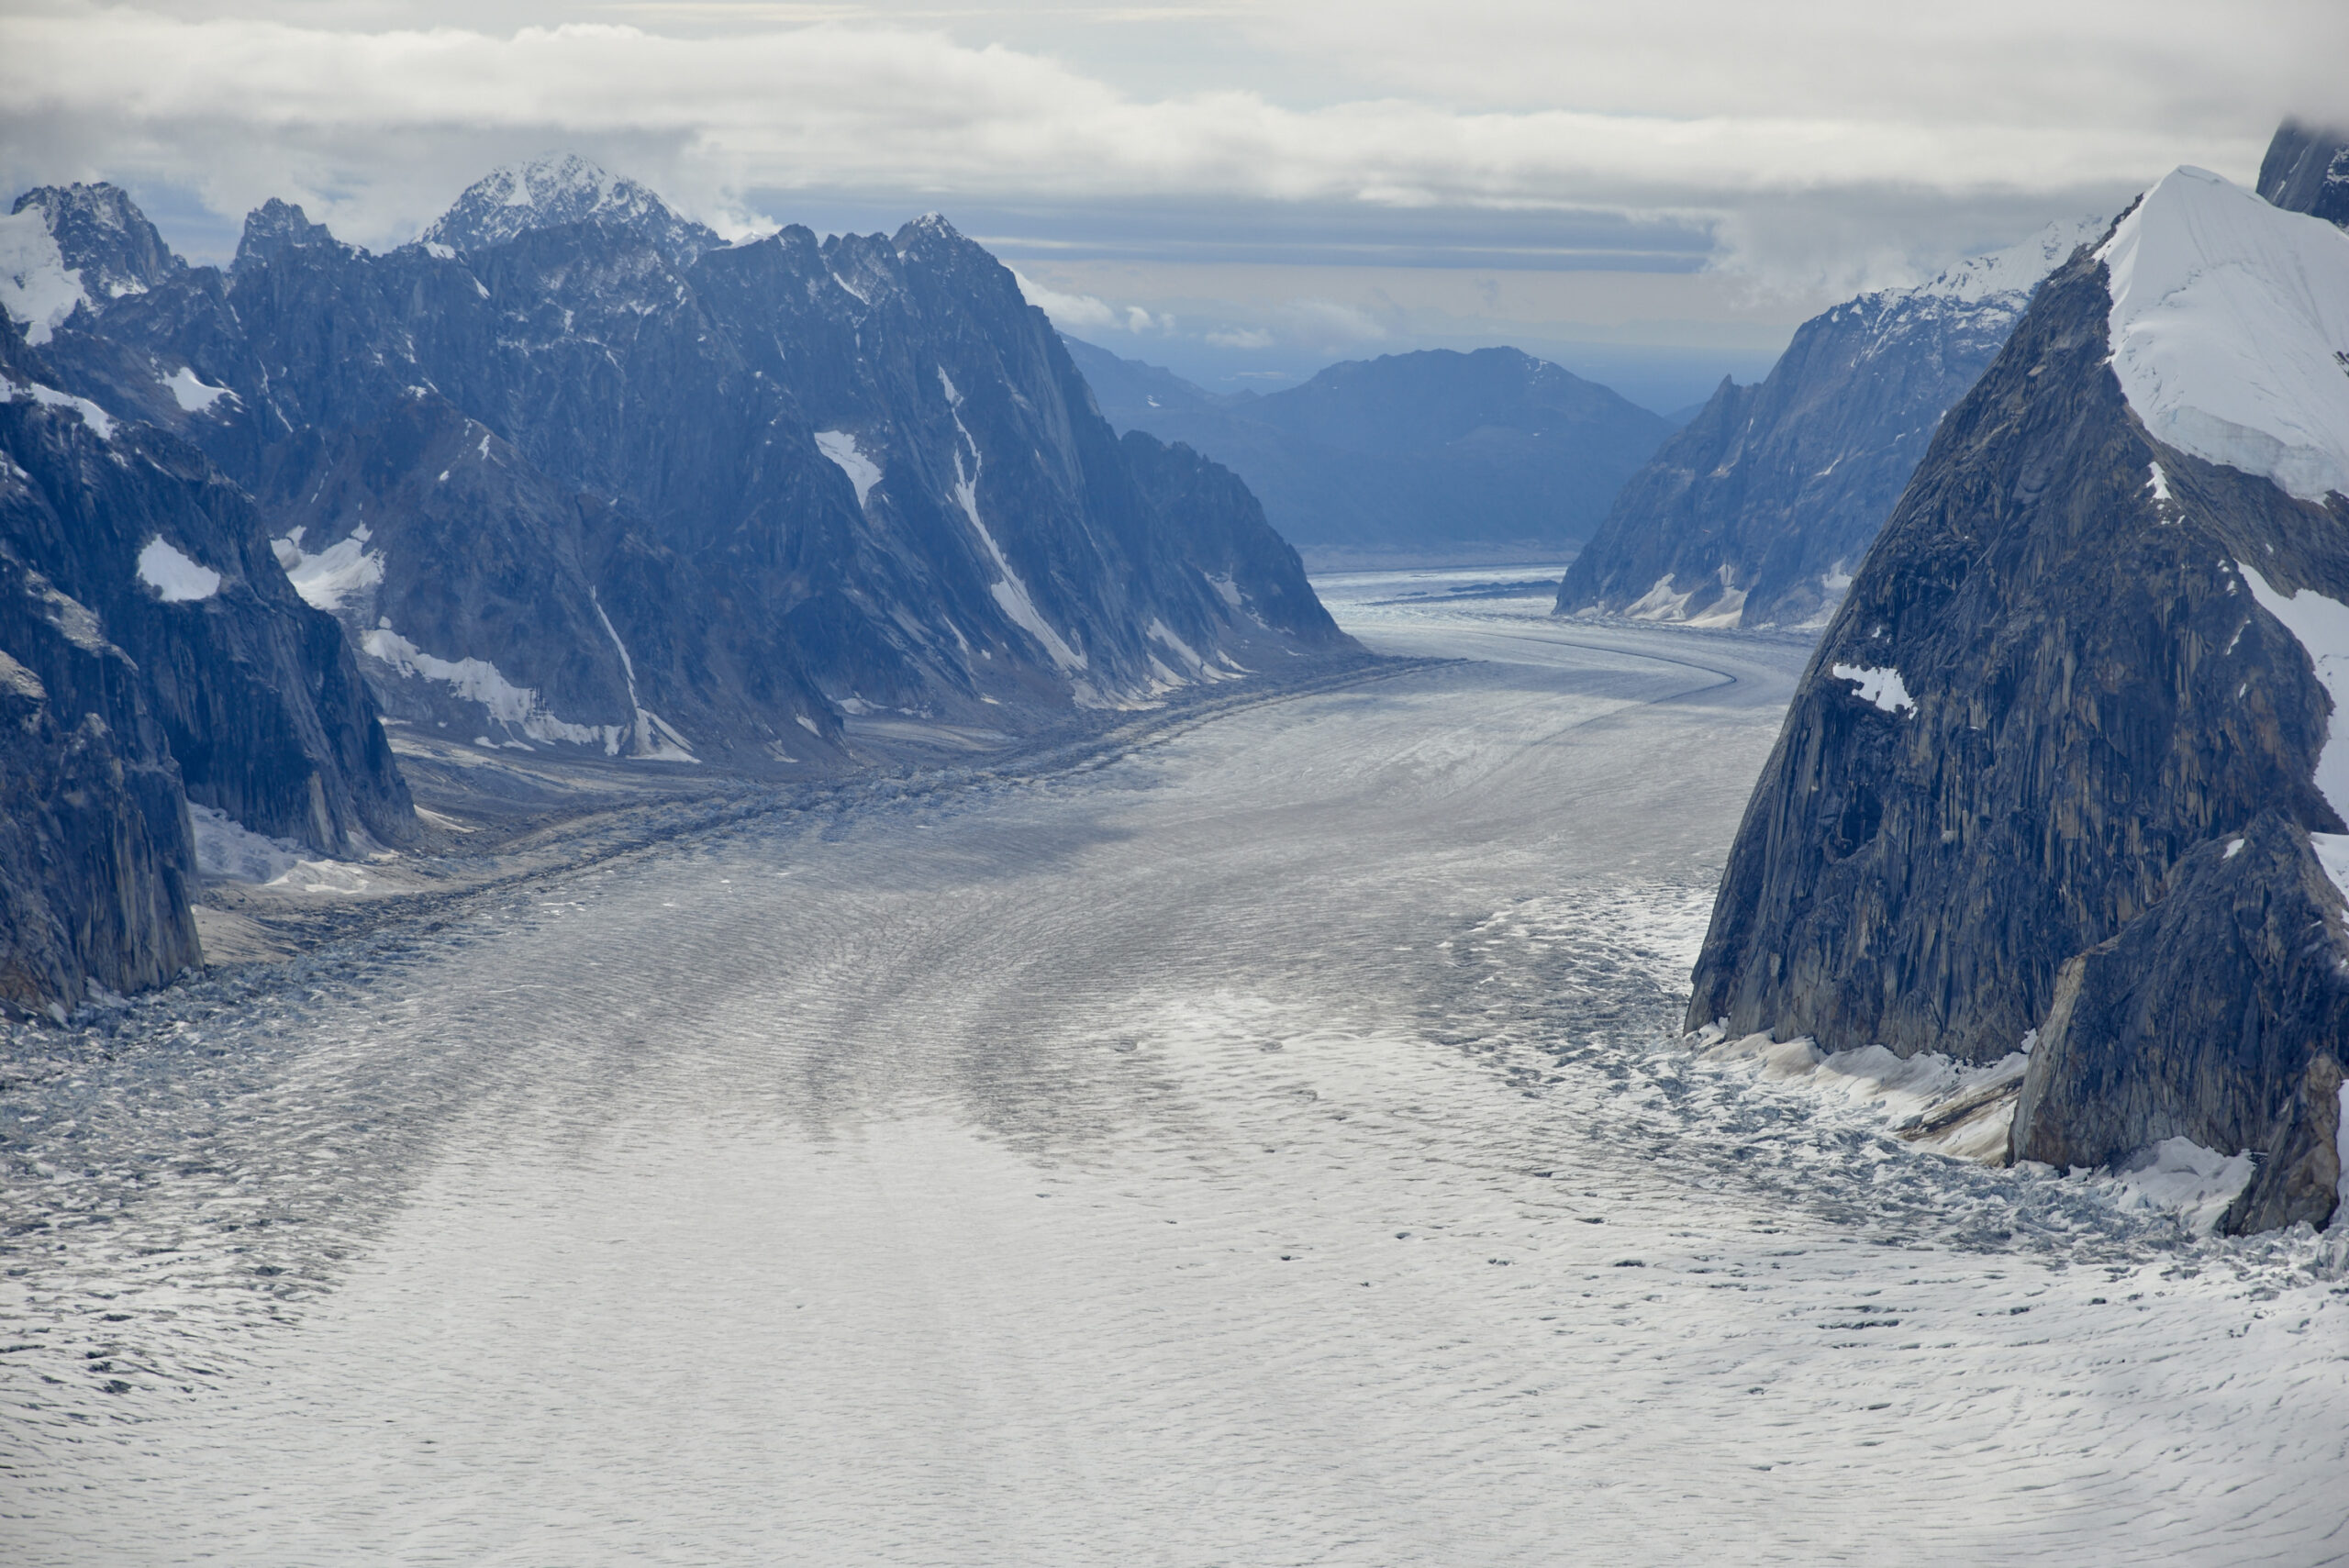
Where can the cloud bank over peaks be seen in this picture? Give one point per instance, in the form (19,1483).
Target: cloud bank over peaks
(373,130)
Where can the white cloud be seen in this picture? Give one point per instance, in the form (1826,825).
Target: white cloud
(1082,312)
(1819,148)
(378,128)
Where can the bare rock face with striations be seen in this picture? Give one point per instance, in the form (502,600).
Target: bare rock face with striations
(2068,771)
(2307,170)
(98,860)
(155,655)
(576,475)
(1759,510)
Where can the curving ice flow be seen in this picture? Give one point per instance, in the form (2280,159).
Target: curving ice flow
(2230,330)
(1270,1145)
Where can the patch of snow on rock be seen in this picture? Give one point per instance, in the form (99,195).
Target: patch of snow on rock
(2230,324)
(2341,1147)
(2321,626)
(176,578)
(842,448)
(478,681)
(2331,853)
(652,738)
(1660,603)
(1882,687)
(97,418)
(227,848)
(192,395)
(334,574)
(1009,591)
(1165,634)
(37,288)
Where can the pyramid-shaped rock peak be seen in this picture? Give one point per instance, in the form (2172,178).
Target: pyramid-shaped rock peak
(557,189)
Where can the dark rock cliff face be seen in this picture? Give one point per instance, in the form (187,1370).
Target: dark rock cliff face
(96,860)
(1408,453)
(1252,566)
(2307,170)
(2231,959)
(2051,768)
(574,474)
(151,652)
(1759,510)
(254,693)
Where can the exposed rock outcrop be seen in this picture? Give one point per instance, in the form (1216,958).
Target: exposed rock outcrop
(1759,510)
(96,860)
(2307,170)
(2064,761)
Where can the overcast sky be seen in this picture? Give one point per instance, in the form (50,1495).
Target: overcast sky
(1654,193)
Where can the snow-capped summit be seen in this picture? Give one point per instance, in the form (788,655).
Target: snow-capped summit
(102,235)
(1759,511)
(66,245)
(2230,329)
(2018,269)
(557,189)
(2106,825)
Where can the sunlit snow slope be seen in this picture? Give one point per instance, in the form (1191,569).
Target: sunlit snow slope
(1266,1147)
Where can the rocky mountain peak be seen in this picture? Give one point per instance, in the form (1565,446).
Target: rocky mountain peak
(275,227)
(2063,780)
(1759,510)
(931,231)
(101,233)
(2307,170)
(66,246)
(557,189)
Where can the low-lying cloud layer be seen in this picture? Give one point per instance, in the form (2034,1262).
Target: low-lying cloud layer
(1808,154)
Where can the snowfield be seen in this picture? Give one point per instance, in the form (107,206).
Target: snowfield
(2230,330)
(1272,1144)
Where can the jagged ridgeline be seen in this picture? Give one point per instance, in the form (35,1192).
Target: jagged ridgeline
(1758,511)
(2068,771)
(574,475)
(578,475)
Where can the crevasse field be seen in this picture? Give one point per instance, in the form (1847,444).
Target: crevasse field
(1269,1146)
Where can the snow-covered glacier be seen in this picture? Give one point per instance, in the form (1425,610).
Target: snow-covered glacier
(1270,1142)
